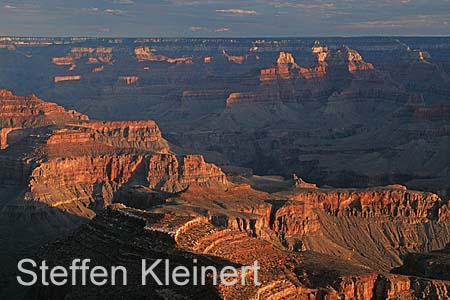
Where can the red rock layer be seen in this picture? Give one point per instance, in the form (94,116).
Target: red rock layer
(63,61)
(78,179)
(57,79)
(143,135)
(252,97)
(30,111)
(286,67)
(288,277)
(371,226)
(283,70)
(167,173)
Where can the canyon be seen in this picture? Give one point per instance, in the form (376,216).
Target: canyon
(155,148)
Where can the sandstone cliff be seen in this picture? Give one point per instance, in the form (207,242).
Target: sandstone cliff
(348,59)
(79,163)
(283,70)
(20,112)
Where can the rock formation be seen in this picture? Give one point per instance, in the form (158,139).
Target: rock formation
(129,79)
(351,59)
(237,59)
(321,52)
(66,78)
(146,54)
(63,61)
(92,55)
(300,183)
(284,69)
(83,162)
(30,111)
(287,68)
(251,98)
(283,275)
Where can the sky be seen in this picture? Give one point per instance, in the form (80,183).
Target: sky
(224,18)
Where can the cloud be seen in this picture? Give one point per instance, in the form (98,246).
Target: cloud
(107,11)
(114,12)
(223,29)
(237,11)
(9,6)
(406,22)
(317,5)
(90,9)
(122,1)
(197,28)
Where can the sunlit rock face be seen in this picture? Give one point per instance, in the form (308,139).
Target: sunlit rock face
(352,59)
(21,112)
(147,54)
(284,69)
(344,57)
(69,162)
(129,80)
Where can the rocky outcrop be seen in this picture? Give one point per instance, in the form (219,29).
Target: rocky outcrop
(4,132)
(98,69)
(68,183)
(79,181)
(129,80)
(325,221)
(100,54)
(266,96)
(167,173)
(287,68)
(143,135)
(284,69)
(418,56)
(87,167)
(237,59)
(146,54)
(321,52)
(93,56)
(350,58)
(63,61)
(30,111)
(300,183)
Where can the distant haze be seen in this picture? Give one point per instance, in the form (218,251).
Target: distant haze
(220,18)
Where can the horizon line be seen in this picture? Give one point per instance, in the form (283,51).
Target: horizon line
(226,37)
